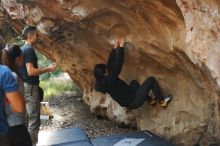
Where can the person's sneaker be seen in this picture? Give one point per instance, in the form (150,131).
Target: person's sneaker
(152,101)
(165,102)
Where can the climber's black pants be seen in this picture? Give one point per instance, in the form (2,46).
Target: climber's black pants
(142,92)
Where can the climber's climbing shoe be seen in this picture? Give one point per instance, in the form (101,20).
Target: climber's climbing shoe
(152,101)
(166,101)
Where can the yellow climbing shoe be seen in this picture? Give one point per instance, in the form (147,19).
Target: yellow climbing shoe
(152,101)
(166,101)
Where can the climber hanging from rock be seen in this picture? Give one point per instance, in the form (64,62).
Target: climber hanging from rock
(133,95)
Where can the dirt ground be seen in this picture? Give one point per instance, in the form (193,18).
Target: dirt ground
(69,110)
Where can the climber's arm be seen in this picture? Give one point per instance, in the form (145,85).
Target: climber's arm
(118,63)
(111,60)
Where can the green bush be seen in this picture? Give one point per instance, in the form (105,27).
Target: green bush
(43,61)
(52,87)
(17,41)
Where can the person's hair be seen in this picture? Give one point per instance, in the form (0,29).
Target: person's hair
(2,46)
(99,71)
(10,53)
(2,43)
(28,30)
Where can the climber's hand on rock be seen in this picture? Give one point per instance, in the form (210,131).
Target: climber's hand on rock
(116,44)
(121,41)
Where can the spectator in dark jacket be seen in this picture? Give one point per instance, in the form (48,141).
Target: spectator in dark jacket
(131,96)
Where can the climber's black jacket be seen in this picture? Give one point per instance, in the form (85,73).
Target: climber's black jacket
(112,84)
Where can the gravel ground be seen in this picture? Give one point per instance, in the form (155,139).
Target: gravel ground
(70,111)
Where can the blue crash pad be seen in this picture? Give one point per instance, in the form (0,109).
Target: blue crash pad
(76,144)
(76,137)
(143,138)
(64,137)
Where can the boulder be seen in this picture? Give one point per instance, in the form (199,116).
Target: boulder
(177,41)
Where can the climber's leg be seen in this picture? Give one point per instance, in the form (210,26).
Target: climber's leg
(142,94)
(134,85)
(137,102)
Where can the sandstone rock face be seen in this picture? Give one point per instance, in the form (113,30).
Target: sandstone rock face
(177,41)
